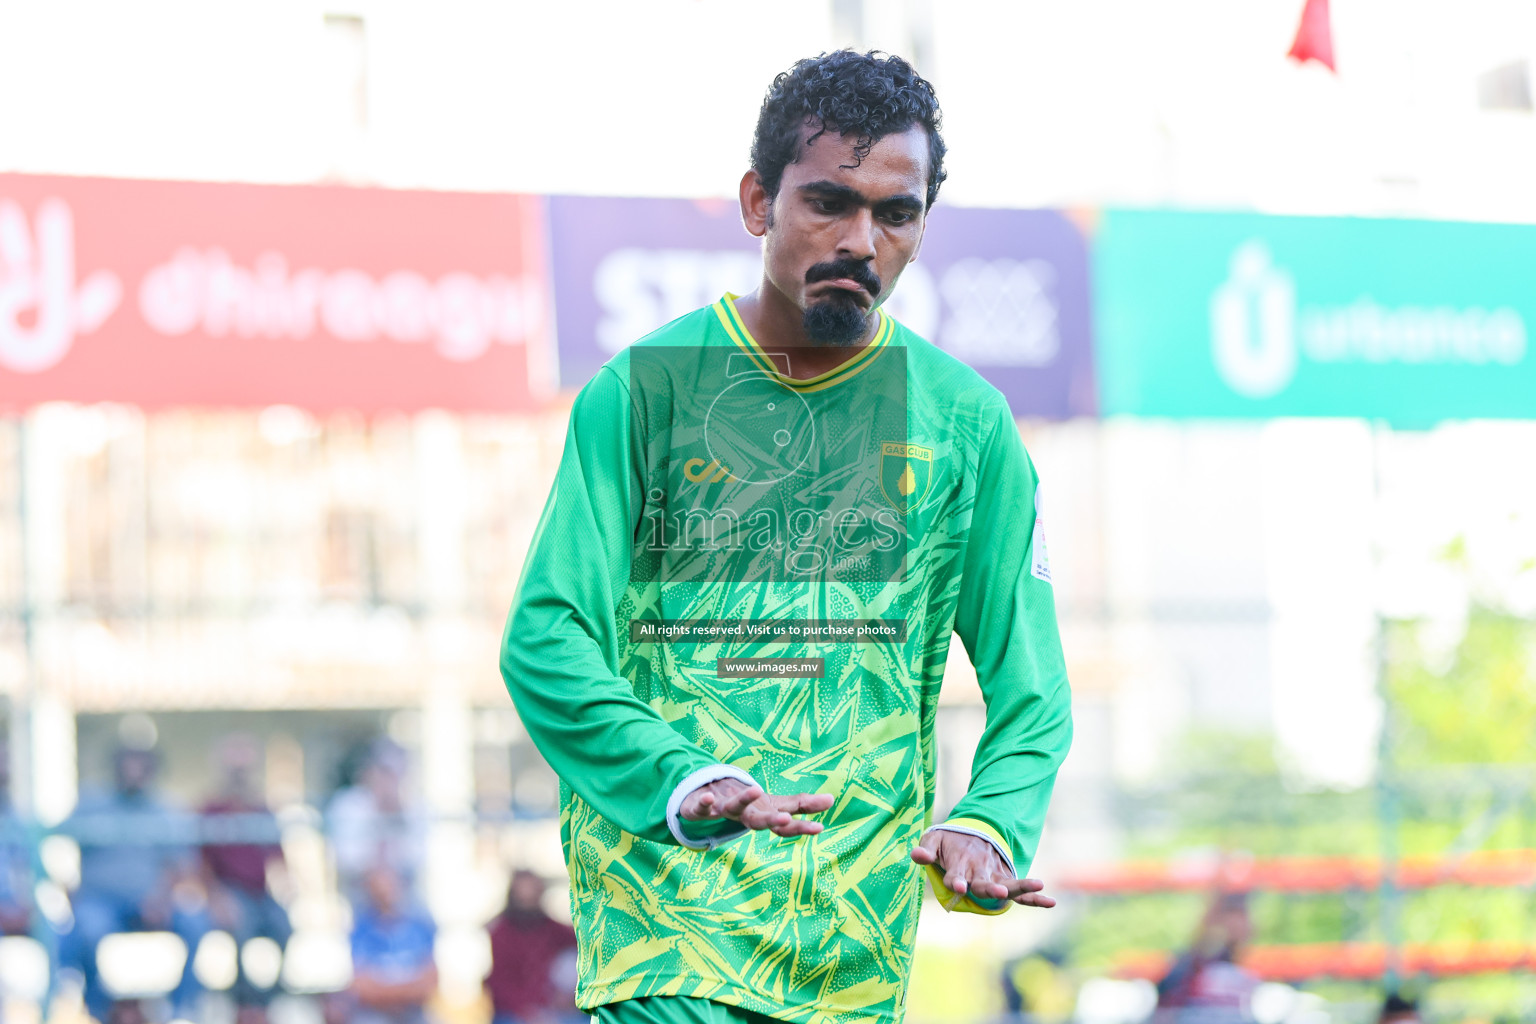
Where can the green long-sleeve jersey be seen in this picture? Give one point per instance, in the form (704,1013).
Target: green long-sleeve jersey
(710,509)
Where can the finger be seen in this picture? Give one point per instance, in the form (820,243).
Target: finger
(956,878)
(804,803)
(965,872)
(1020,886)
(984,873)
(799,803)
(927,849)
(1035,899)
(776,813)
(762,814)
(699,807)
(737,805)
(989,888)
(983,880)
(1026,892)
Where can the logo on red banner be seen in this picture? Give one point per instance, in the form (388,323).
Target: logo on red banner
(163,293)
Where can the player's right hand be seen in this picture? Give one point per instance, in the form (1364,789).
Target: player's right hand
(731,798)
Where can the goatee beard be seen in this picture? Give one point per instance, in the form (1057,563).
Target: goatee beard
(836,322)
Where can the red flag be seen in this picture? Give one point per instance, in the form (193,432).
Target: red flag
(1314,37)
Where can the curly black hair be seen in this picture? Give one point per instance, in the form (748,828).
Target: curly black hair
(868,95)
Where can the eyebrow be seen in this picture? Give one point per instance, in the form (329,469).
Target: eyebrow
(835,190)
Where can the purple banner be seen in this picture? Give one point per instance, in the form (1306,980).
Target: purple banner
(1004,290)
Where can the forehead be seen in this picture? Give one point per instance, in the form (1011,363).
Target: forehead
(897,162)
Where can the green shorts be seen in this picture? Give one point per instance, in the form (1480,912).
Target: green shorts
(675,1010)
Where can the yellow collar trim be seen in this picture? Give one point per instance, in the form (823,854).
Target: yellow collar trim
(731,320)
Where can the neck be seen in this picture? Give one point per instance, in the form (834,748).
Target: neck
(778,325)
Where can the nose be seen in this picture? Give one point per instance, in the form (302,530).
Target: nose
(858,238)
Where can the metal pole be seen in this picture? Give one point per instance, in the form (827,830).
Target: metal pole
(23,789)
(21,795)
(1388,795)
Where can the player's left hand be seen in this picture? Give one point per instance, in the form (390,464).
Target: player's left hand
(971,865)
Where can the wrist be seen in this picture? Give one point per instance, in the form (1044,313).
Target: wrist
(985,831)
(704,835)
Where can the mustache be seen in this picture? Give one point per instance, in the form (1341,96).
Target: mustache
(856,271)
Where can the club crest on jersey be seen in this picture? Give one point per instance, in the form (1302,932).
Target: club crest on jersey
(906,474)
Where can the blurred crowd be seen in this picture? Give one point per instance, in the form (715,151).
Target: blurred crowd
(147,864)
(1206,982)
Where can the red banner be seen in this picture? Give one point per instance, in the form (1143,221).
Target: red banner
(173,293)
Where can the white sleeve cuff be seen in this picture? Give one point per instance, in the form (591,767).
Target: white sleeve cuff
(963,830)
(705,775)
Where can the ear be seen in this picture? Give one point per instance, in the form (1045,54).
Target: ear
(755,202)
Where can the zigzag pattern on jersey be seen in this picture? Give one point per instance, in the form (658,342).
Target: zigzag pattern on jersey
(816,930)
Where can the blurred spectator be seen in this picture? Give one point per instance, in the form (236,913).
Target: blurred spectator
(393,972)
(15,859)
(370,824)
(236,872)
(1399,1009)
(138,872)
(527,950)
(1206,985)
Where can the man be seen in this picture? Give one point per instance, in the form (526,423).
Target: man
(370,823)
(1398,1008)
(393,970)
(138,872)
(732,626)
(16,905)
(527,950)
(1207,984)
(236,867)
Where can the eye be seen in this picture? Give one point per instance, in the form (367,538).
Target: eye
(827,205)
(896,217)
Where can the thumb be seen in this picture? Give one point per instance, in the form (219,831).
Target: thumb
(698,805)
(927,849)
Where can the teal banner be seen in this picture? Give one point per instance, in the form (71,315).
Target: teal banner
(1202,315)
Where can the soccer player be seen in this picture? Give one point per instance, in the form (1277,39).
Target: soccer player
(729,637)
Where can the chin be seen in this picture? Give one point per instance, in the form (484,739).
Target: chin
(836,321)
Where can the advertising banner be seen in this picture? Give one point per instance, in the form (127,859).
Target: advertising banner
(1004,290)
(1242,315)
(174,293)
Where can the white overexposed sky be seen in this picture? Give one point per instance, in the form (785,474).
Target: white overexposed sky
(1183,102)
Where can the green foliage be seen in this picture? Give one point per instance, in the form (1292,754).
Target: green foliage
(1485,997)
(1304,918)
(1477,708)
(1161,921)
(1458,777)
(1454,913)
